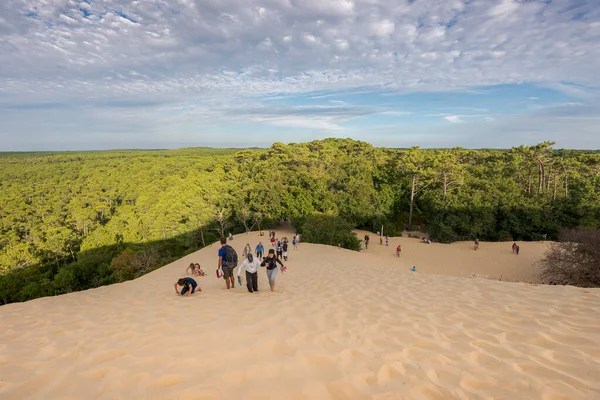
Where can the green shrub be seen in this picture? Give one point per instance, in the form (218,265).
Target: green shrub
(329,229)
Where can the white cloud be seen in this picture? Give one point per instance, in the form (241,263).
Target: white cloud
(176,52)
(453,118)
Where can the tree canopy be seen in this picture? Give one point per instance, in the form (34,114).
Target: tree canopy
(70,221)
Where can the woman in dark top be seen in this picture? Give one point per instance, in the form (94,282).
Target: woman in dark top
(271,263)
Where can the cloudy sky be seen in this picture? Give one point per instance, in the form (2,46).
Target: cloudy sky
(101,74)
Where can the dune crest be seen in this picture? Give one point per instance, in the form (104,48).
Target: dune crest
(341,325)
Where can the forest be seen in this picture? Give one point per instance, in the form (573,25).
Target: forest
(76,220)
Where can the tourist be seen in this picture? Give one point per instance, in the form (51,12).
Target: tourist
(191,269)
(398,251)
(514,247)
(476,244)
(200,270)
(295,243)
(247,250)
(190,286)
(517,249)
(271,263)
(279,250)
(227,262)
(387,240)
(251,265)
(260,249)
(284,247)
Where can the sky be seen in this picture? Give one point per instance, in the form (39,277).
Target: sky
(115,74)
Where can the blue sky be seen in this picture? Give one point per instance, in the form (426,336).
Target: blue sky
(100,74)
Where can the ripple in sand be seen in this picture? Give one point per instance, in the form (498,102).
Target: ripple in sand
(170,380)
(390,372)
(107,355)
(4,360)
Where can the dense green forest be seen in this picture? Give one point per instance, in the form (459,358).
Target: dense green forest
(71,221)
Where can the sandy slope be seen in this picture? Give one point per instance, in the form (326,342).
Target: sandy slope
(492,260)
(343,325)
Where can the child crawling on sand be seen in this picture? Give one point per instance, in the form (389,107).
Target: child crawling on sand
(190,286)
(195,269)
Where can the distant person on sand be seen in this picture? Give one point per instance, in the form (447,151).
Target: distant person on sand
(271,263)
(230,236)
(247,250)
(387,240)
(476,244)
(517,249)
(227,262)
(251,265)
(284,247)
(279,250)
(398,250)
(260,249)
(190,286)
(295,243)
(514,247)
(414,269)
(272,241)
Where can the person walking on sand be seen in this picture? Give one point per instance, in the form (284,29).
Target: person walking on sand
(517,249)
(260,249)
(284,247)
(514,247)
(476,244)
(227,262)
(279,250)
(271,263)
(247,250)
(251,265)
(398,250)
(387,240)
(190,286)
(295,243)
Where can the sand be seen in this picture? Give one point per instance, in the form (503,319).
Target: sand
(341,325)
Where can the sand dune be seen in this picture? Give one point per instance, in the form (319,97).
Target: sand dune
(342,325)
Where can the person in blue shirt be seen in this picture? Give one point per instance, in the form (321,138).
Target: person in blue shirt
(190,286)
(260,249)
(227,269)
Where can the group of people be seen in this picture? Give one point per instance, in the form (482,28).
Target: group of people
(228,261)
(195,269)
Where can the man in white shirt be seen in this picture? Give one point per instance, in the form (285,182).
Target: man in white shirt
(251,265)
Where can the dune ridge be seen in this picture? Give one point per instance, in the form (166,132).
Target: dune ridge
(341,325)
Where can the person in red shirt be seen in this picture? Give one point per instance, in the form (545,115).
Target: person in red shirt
(398,250)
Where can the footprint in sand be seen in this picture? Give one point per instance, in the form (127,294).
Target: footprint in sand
(390,372)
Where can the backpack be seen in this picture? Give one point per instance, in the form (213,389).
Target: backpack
(231,257)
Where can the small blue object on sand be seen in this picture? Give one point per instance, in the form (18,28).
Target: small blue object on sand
(414,269)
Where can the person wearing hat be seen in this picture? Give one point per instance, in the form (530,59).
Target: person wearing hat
(271,263)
